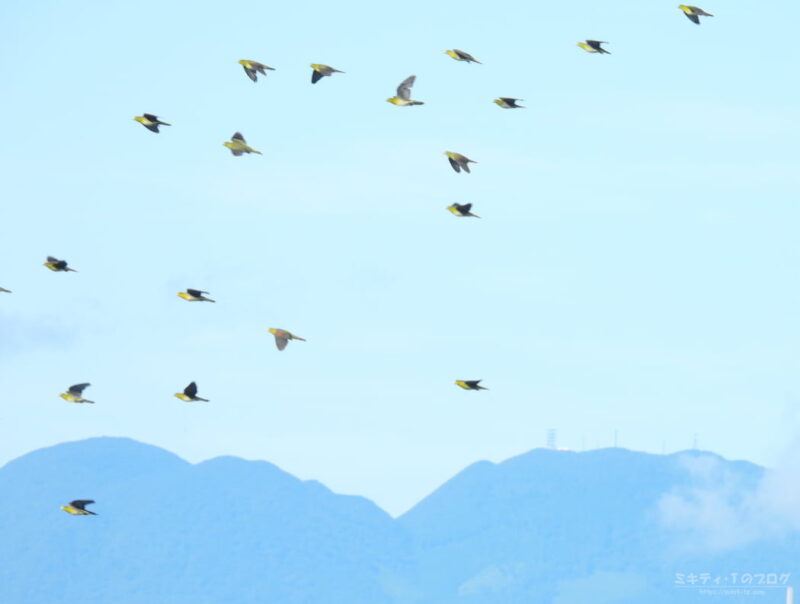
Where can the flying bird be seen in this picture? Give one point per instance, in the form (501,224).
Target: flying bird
(195,295)
(693,13)
(462,210)
(78,507)
(460,55)
(320,71)
(75,394)
(470,384)
(403,98)
(506,102)
(459,161)
(282,337)
(238,145)
(189,394)
(593,46)
(253,67)
(54,264)
(3,289)
(150,121)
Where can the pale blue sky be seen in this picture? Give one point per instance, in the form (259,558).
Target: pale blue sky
(635,267)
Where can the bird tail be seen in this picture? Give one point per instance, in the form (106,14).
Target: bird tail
(417,103)
(72,269)
(165,124)
(474,215)
(86,400)
(209,300)
(297,338)
(197,398)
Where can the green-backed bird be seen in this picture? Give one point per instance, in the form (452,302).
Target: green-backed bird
(462,209)
(150,121)
(195,295)
(593,46)
(238,145)
(253,67)
(75,394)
(54,264)
(403,98)
(693,13)
(506,102)
(320,71)
(459,161)
(189,394)
(470,384)
(282,337)
(460,55)
(78,507)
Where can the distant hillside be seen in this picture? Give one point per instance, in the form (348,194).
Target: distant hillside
(548,526)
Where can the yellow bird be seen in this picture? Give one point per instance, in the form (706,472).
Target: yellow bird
(403,98)
(459,161)
(320,71)
(195,295)
(282,337)
(75,394)
(460,55)
(470,384)
(54,264)
(78,507)
(238,145)
(506,102)
(593,46)
(462,210)
(693,13)
(189,394)
(150,121)
(253,67)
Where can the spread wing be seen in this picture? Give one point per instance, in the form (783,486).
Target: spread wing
(455,164)
(281,341)
(151,117)
(316,76)
(404,89)
(250,73)
(237,136)
(80,504)
(78,388)
(195,292)
(190,390)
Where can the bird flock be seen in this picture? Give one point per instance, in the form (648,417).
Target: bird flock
(238,146)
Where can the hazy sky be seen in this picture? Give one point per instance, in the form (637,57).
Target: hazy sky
(635,267)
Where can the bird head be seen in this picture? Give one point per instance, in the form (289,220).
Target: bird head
(64,395)
(138,118)
(272,330)
(183,295)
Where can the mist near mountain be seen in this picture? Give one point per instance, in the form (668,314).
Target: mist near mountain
(547,526)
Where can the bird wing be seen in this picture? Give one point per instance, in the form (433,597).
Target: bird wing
(692,17)
(316,76)
(151,117)
(455,164)
(465,208)
(465,165)
(80,504)
(281,341)
(190,390)
(52,259)
(464,55)
(472,383)
(237,136)
(195,292)
(250,73)
(404,89)
(78,388)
